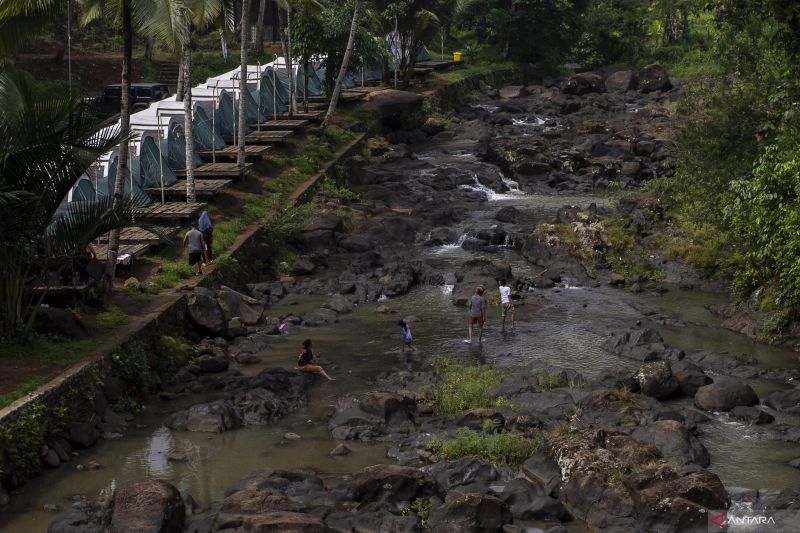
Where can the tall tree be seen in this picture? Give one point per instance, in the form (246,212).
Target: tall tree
(243,84)
(262,9)
(348,54)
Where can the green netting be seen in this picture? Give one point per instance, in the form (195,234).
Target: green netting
(315,85)
(83,191)
(174,148)
(154,167)
(228,116)
(272,97)
(254,115)
(105,186)
(205,136)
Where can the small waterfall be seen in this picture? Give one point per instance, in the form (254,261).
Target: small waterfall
(510,241)
(450,247)
(512,185)
(491,195)
(488,108)
(527,123)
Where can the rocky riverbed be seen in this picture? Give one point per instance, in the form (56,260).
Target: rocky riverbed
(628,393)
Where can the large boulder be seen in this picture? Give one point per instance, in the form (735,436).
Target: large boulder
(205,311)
(690,380)
(236,304)
(393,485)
(151,505)
(643,344)
(467,474)
(674,441)
(528,501)
(512,91)
(508,214)
(213,417)
(622,81)
(585,82)
(478,272)
(724,396)
(655,379)
(751,415)
(469,512)
(395,106)
(371,415)
(653,77)
(284,522)
(543,469)
(82,435)
(787,401)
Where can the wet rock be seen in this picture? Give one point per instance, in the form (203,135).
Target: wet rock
(211,364)
(751,415)
(395,106)
(205,312)
(284,521)
(440,236)
(213,417)
(236,304)
(656,380)
(475,418)
(641,344)
(653,77)
(60,322)
(82,435)
(355,243)
(469,512)
(72,521)
(51,459)
(622,81)
(691,380)
(725,396)
(150,505)
(51,507)
(303,267)
(583,83)
(372,415)
(508,214)
(616,280)
(340,450)
(542,469)
(291,436)
(432,126)
(132,284)
(528,501)
(512,91)
(478,272)
(392,485)
(674,441)
(320,317)
(236,328)
(786,401)
(62,449)
(466,475)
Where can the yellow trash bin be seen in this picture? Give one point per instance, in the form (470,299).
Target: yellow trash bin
(456,56)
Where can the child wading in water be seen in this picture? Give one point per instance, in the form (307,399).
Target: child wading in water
(307,361)
(407,338)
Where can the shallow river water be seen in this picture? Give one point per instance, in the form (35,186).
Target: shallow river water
(564,326)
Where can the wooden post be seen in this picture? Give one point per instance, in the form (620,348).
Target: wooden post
(160,156)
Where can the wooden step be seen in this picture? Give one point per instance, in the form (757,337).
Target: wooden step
(251,151)
(203,187)
(137,235)
(268,137)
(170,211)
(288,124)
(215,170)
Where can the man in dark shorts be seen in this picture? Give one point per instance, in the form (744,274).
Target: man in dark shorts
(477,314)
(307,361)
(196,246)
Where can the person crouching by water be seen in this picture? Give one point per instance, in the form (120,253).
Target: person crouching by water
(477,314)
(206,227)
(307,361)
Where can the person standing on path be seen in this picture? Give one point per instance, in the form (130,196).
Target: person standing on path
(196,244)
(307,361)
(477,314)
(507,304)
(206,227)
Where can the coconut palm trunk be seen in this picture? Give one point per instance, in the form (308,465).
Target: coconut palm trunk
(262,7)
(348,54)
(188,128)
(243,85)
(125,122)
(179,87)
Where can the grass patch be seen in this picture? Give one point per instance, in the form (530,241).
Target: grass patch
(22,389)
(503,447)
(465,387)
(170,275)
(468,69)
(111,318)
(624,255)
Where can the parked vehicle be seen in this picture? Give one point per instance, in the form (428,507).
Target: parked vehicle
(142,95)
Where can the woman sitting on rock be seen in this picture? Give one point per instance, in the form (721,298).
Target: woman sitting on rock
(307,361)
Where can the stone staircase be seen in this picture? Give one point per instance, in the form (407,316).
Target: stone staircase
(167,72)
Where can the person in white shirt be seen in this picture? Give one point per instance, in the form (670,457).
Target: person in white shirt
(507,304)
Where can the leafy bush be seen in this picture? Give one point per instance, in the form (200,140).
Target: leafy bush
(504,447)
(465,387)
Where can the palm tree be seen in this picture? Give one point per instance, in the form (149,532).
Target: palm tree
(22,19)
(262,7)
(348,54)
(243,84)
(158,18)
(48,143)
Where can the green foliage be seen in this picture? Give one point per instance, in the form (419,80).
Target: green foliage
(465,387)
(131,365)
(331,188)
(497,447)
(171,274)
(419,507)
(21,440)
(126,404)
(111,318)
(173,354)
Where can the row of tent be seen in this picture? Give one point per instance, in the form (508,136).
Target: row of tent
(160,149)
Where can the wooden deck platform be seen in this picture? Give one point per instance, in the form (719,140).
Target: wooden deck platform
(170,211)
(347,95)
(310,115)
(203,187)
(288,124)
(138,235)
(268,137)
(133,249)
(215,171)
(252,151)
